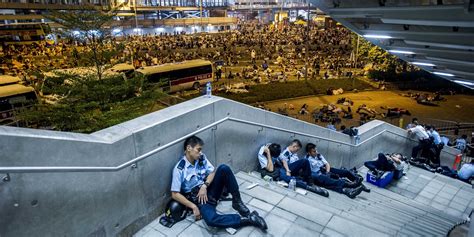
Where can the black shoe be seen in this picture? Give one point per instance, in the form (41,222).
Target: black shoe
(429,168)
(318,190)
(378,174)
(239,206)
(254,220)
(365,189)
(352,192)
(349,184)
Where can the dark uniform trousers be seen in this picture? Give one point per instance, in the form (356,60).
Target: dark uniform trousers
(326,181)
(223,178)
(301,167)
(336,184)
(424,144)
(380,164)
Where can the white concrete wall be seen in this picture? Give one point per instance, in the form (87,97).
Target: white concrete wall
(111,203)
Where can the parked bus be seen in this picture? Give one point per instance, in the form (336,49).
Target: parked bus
(13,95)
(23,33)
(179,76)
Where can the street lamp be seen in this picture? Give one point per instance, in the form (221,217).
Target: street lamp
(200,13)
(136,19)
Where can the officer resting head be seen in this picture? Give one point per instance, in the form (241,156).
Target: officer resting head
(197,185)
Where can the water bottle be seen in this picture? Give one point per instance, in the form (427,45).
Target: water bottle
(292,184)
(208,90)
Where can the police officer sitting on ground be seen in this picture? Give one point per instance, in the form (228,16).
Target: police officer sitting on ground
(268,160)
(325,175)
(294,167)
(198,186)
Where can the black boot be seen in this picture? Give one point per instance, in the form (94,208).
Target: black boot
(378,174)
(315,189)
(352,192)
(359,179)
(254,219)
(238,205)
(349,184)
(365,189)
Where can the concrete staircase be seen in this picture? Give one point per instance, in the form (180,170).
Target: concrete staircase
(399,210)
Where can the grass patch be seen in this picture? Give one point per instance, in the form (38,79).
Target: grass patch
(282,90)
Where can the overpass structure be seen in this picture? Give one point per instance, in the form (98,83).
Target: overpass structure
(437,36)
(116,181)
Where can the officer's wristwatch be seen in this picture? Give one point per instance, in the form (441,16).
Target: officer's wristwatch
(207,184)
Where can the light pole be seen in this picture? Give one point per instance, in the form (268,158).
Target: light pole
(200,13)
(307,45)
(136,17)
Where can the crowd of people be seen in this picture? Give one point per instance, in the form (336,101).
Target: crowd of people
(251,51)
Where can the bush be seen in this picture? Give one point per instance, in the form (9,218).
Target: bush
(90,105)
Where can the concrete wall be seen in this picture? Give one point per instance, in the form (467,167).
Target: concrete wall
(119,203)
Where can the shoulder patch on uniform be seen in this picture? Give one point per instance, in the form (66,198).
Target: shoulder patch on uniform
(287,153)
(181,164)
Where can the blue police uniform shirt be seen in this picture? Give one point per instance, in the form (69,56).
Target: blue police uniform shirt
(460,144)
(436,137)
(186,176)
(287,156)
(466,171)
(316,163)
(262,159)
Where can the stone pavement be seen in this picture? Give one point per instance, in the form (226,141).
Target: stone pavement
(422,204)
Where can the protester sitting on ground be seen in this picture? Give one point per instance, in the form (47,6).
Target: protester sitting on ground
(438,97)
(298,169)
(304,110)
(198,186)
(385,162)
(339,180)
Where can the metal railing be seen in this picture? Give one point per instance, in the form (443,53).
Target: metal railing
(133,163)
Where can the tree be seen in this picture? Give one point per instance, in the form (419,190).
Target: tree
(91,26)
(371,53)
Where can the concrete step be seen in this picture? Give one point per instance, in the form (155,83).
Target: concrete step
(397,212)
(381,212)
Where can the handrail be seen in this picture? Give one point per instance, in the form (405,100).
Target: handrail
(46,169)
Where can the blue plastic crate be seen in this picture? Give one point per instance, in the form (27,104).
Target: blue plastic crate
(383,181)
